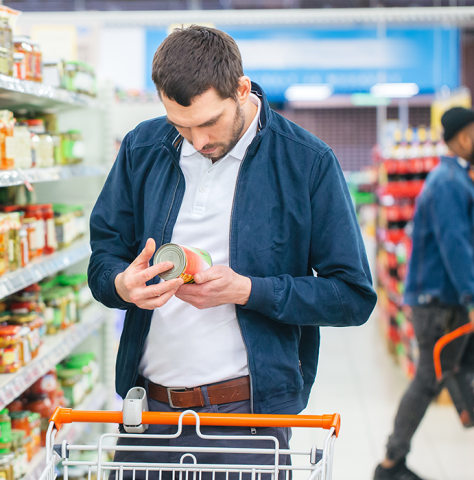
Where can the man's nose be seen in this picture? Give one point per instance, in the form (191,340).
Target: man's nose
(199,139)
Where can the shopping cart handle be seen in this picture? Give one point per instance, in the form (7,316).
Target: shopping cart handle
(66,415)
(443,341)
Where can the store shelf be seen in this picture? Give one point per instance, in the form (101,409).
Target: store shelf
(17,94)
(71,433)
(43,267)
(10,178)
(55,349)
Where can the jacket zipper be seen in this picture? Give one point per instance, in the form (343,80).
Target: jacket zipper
(230,261)
(169,211)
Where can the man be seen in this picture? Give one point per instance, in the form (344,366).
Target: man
(440,281)
(268,201)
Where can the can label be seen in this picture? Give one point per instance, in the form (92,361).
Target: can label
(196,261)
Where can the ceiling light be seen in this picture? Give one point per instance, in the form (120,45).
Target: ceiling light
(394,90)
(306,92)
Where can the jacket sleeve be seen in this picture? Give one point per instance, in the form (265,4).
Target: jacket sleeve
(112,231)
(341,294)
(449,213)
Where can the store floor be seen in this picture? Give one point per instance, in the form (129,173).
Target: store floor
(358,379)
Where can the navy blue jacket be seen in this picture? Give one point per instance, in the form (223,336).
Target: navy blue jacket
(292,213)
(442,262)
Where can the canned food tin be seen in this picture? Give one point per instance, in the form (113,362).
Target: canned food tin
(187,261)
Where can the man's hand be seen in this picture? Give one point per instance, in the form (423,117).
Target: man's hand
(471,317)
(131,284)
(217,286)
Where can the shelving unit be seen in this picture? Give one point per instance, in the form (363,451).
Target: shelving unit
(55,349)
(42,267)
(62,184)
(71,433)
(18,94)
(400,182)
(9,178)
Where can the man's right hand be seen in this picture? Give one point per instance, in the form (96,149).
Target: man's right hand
(131,284)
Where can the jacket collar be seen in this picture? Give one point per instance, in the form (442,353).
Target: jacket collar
(174,141)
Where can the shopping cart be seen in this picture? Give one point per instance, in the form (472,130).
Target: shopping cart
(318,466)
(460,380)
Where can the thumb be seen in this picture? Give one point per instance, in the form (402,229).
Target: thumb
(147,253)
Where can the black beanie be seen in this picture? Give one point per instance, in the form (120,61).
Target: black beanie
(454,120)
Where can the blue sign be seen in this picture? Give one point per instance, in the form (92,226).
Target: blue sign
(351,60)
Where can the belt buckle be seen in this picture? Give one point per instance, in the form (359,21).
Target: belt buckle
(172,389)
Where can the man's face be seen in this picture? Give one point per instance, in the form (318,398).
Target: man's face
(212,125)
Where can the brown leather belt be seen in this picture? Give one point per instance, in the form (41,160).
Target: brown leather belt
(225,392)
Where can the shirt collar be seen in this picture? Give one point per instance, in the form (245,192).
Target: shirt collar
(240,148)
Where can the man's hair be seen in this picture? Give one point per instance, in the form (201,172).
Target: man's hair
(191,60)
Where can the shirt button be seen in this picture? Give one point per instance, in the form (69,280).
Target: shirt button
(202,189)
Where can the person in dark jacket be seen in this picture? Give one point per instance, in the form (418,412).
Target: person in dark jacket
(440,280)
(268,201)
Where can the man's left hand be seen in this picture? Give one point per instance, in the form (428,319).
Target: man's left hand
(216,286)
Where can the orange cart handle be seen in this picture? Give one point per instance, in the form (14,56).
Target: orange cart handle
(443,341)
(66,415)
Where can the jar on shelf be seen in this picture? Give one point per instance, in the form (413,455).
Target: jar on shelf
(37,62)
(30,225)
(21,421)
(32,211)
(10,340)
(51,243)
(5,432)
(20,462)
(35,424)
(72,381)
(23,45)
(22,138)
(19,65)
(45,408)
(7,142)
(6,47)
(45,151)
(73,150)
(14,247)
(6,467)
(4,235)
(25,256)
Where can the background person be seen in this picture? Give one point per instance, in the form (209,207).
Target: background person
(440,280)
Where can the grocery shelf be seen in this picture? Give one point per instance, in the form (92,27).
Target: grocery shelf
(18,94)
(71,433)
(55,349)
(10,178)
(42,267)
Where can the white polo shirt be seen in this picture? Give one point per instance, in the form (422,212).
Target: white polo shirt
(188,347)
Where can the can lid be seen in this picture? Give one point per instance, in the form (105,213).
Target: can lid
(170,252)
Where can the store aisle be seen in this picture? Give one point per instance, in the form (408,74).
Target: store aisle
(358,379)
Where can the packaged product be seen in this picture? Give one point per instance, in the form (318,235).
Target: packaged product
(6,466)
(6,47)
(20,461)
(23,149)
(7,142)
(10,348)
(5,432)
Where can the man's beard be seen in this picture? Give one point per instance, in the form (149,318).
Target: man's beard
(470,158)
(237,128)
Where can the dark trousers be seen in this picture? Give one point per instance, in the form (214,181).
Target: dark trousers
(430,324)
(189,438)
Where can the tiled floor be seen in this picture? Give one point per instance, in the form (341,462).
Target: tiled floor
(358,379)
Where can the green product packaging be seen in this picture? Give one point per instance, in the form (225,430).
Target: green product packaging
(5,432)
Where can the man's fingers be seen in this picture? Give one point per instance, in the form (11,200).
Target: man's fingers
(146,253)
(153,291)
(157,302)
(153,271)
(212,273)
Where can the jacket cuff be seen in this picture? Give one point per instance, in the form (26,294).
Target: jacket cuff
(261,296)
(110,292)
(467,301)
